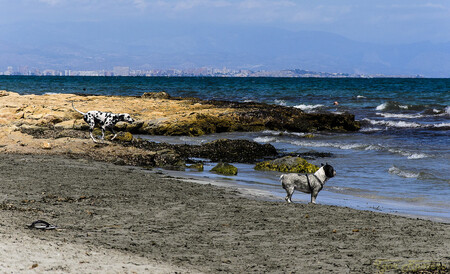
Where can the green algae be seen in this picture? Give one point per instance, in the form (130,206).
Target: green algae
(287,164)
(225,169)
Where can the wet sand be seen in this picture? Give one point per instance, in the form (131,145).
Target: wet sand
(124,219)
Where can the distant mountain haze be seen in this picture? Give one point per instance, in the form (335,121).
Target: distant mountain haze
(102,45)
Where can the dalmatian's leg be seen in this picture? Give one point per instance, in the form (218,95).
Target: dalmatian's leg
(91,129)
(103,132)
(115,133)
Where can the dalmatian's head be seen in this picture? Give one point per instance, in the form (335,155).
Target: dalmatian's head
(126,118)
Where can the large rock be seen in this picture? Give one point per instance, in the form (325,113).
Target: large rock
(232,151)
(225,169)
(287,164)
(156,95)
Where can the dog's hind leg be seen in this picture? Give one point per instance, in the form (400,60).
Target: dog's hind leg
(289,192)
(115,133)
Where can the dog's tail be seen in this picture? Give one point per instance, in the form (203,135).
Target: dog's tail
(77,109)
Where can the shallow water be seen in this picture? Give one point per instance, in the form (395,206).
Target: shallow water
(378,180)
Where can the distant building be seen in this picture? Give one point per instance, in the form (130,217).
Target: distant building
(121,71)
(9,71)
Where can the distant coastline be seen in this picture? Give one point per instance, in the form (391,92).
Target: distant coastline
(194,72)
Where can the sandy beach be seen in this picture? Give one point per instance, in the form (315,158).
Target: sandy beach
(126,219)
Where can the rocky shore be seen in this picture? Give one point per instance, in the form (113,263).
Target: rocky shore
(47,124)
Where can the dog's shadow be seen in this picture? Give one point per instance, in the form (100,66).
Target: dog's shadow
(100,144)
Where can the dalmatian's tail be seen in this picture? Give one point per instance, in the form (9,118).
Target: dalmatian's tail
(77,109)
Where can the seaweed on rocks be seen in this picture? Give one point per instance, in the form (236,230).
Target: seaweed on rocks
(225,150)
(252,116)
(277,117)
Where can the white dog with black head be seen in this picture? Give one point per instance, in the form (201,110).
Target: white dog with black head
(307,183)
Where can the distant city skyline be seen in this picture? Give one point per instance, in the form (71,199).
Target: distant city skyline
(389,37)
(203,71)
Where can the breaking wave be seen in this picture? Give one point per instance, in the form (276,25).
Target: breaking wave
(399,115)
(403,173)
(399,124)
(308,107)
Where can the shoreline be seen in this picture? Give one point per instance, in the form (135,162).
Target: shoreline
(194,227)
(254,192)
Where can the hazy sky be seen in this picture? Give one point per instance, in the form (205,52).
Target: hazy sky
(357,36)
(382,21)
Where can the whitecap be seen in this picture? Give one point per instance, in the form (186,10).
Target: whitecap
(328,144)
(447,110)
(280,102)
(308,107)
(417,156)
(408,154)
(360,97)
(382,106)
(398,115)
(403,173)
(264,139)
(370,129)
(283,133)
(442,125)
(399,124)
(373,147)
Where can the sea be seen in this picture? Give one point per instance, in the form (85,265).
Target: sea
(398,163)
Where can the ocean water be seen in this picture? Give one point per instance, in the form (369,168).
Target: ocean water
(399,162)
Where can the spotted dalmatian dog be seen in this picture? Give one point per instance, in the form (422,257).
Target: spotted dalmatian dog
(106,120)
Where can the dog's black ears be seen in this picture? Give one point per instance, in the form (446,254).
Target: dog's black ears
(321,164)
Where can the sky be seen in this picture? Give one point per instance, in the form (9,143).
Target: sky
(381,22)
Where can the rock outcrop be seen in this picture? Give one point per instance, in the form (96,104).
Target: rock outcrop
(47,124)
(225,169)
(287,164)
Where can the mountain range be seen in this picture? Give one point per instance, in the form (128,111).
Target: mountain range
(102,45)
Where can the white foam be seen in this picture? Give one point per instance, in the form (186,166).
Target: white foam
(403,173)
(447,110)
(400,124)
(360,97)
(370,129)
(280,102)
(265,139)
(327,144)
(398,115)
(385,105)
(308,107)
(408,154)
(442,125)
(417,156)
(382,106)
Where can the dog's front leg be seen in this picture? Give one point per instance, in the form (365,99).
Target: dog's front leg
(91,129)
(103,133)
(314,196)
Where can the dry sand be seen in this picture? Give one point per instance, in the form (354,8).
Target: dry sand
(124,219)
